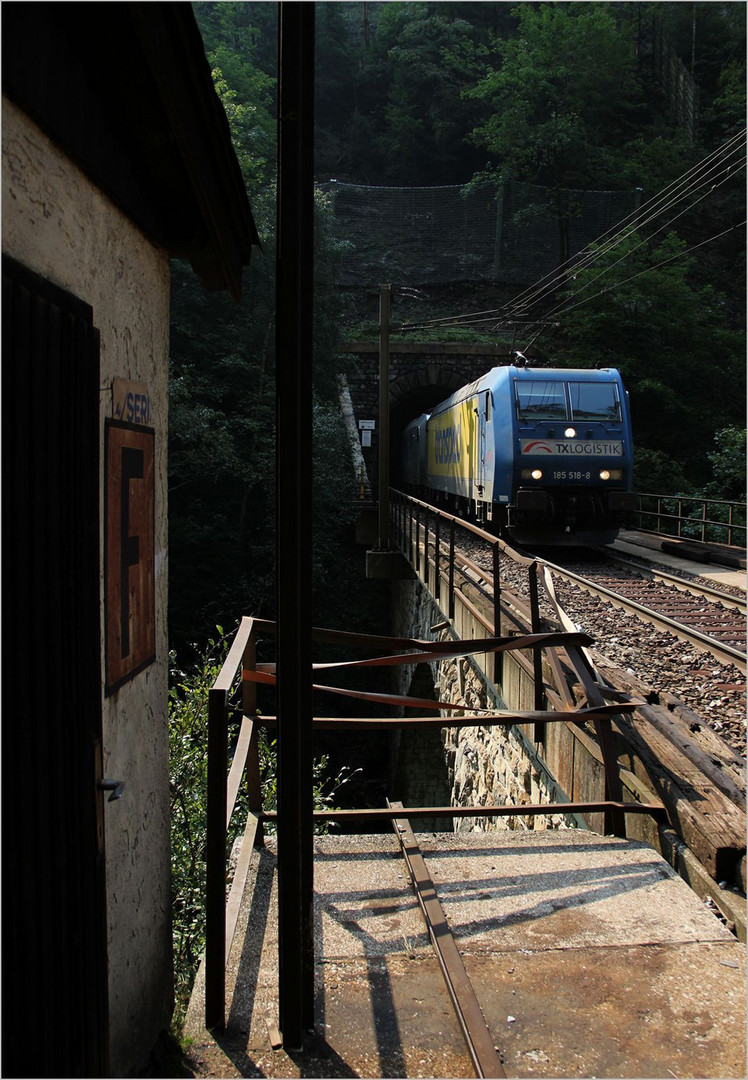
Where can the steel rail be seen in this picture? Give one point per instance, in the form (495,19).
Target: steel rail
(726,653)
(655,808)
(696,588)
(472,1022)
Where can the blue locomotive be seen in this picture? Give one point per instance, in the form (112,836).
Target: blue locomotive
(543,454)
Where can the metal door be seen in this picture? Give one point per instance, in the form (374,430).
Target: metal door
(482,420)
(55,1003)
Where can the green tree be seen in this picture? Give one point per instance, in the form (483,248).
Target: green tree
(638,307)
(429,53)
(564,96)
(710,40)
(188,782)
(728,463)
(389,81)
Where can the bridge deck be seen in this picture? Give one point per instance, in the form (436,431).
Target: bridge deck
(588,955)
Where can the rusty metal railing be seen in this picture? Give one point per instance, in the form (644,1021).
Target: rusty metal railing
(688,517)
(223,790)
(224,783)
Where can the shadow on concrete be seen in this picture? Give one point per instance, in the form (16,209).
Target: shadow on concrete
(384,1013)
(233,1040)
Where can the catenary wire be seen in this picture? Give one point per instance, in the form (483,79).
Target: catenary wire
(629,251)
(698,174)
(649,269)
(639,218)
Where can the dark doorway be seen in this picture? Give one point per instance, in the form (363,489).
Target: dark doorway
(55,999)
(420,769)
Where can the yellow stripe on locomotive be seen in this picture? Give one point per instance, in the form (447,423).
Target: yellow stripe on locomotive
(452,442)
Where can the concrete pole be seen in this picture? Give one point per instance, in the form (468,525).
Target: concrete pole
(384,417)
(294,309)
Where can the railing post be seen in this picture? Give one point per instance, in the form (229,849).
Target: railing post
(437,554)
(537,656)
(703,520)
(426,548)
(451,569)
(215,859)
(498,657)
(418,540)
(249,688)
(410,534)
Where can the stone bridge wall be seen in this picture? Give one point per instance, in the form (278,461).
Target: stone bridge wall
(481,765)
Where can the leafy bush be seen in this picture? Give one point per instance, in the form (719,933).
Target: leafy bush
(188,781)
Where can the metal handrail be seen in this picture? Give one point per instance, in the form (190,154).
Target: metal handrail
(224,782)
(708,527)
(405,507)
(223,791)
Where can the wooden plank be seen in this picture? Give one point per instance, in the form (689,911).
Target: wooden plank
(240,880)
(237,765)
(230,666)
(712,826)
(687,731)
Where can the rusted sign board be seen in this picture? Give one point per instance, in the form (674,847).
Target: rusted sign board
(130,599)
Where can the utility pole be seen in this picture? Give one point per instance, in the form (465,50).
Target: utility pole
(384,417)
(294,306)
(384,561)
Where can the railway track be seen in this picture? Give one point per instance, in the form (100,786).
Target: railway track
(698,614)
(709,619)
(675,633)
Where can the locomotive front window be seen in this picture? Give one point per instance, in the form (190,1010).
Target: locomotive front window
(540,400)
(594,401)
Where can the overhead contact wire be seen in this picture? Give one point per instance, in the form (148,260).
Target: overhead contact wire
(648,269)
(695,178)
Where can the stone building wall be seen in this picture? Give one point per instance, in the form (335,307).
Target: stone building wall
(59,225)
(491,765)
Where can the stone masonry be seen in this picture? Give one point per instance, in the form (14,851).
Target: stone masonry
(481,765)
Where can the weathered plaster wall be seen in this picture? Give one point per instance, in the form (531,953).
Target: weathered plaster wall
(60,226)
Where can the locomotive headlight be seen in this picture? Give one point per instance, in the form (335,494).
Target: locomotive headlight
(537,474)
(570,432)
(605,474)
(611,474)
(532,474)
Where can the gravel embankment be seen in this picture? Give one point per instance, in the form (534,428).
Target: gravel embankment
(715,692)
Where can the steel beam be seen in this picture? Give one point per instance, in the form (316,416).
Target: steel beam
(294,310)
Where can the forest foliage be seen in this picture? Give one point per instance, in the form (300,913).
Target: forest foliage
(563,95)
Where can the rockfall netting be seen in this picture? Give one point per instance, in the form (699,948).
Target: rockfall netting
(514,233)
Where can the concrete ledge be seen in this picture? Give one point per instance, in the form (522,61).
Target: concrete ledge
(588,954)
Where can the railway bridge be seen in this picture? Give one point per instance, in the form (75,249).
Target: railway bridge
(583,942)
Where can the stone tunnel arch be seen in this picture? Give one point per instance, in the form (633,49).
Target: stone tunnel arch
(416,392)
(419,774)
